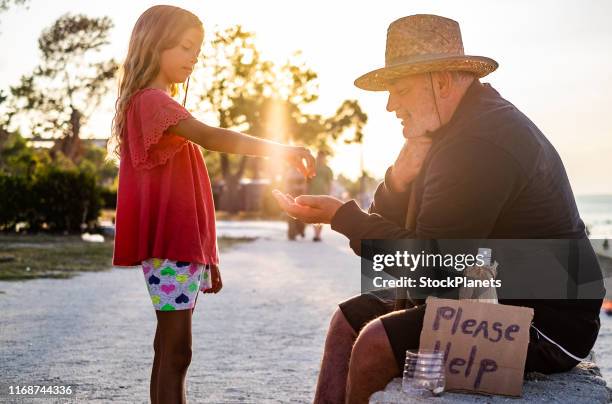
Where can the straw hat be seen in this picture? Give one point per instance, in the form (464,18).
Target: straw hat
(423,43)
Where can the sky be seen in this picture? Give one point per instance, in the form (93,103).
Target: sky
(555,62)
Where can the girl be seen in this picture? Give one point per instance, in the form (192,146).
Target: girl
(165,219)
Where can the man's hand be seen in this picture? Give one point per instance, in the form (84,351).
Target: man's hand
(300,158)
(409,162)
(309,208)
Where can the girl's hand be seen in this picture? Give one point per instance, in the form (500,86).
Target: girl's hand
(297,156)
(215,276)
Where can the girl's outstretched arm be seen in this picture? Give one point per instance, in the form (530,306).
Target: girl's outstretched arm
(229,141)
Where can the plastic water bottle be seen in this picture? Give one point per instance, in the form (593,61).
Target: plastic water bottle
(486,271)
(424,373)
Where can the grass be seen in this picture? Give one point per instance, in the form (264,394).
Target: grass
(54,256)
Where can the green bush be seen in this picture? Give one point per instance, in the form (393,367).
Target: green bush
(64,199)
(14,200)
(59,199)
(109,198)
(46,190)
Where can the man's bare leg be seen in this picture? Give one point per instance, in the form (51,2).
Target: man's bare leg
(372,364)
(331,385)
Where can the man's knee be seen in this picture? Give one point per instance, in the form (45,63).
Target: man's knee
(372,349)
(340,326)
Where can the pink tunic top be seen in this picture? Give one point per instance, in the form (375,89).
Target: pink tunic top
(165,207)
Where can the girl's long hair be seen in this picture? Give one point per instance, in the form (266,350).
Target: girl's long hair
(157,29)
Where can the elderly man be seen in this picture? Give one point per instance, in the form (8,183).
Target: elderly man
(472,166)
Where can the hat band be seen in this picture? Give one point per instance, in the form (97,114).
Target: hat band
(430,57)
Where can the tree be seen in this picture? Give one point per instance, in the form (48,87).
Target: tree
(254,95)
(16,158)
(6,4)
(58,97)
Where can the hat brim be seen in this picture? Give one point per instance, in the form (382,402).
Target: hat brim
(377,80)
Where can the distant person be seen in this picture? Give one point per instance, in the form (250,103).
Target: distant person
(472,167)
(364,197)
(295,185)
(165,213)
(320,185)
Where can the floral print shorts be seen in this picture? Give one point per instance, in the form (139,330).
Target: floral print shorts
(174,285)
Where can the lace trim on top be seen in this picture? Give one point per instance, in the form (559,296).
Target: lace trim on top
(155,148)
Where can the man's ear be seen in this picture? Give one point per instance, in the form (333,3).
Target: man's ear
(444,83)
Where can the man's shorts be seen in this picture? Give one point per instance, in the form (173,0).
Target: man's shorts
(174,285)
(403,328)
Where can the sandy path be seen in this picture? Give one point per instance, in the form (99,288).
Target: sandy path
(260,340)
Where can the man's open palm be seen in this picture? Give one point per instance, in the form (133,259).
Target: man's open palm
(309,208)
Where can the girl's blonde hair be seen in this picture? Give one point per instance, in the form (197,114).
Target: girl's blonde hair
(157,29)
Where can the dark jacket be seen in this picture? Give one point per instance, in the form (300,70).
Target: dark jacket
(490,173)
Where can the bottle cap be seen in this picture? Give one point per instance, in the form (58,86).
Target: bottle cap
(486,254)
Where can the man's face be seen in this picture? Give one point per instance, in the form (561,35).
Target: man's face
(412,100)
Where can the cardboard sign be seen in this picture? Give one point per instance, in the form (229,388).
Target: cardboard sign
(484,345)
